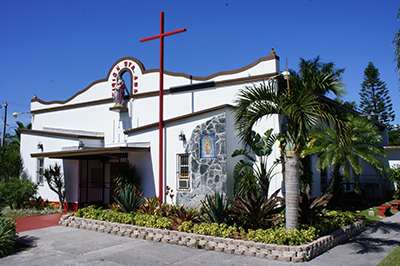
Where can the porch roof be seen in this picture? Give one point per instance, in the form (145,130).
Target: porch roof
(92,152)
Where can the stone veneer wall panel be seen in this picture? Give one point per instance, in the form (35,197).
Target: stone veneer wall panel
(207,175)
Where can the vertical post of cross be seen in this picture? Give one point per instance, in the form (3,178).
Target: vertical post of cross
(161,100)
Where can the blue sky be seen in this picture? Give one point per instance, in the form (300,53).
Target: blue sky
(56,48)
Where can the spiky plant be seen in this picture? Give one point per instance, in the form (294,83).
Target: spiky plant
(129,198)
(181,214)
(254,210)
(150,206)
(7,237)
(311,210)
(215,207)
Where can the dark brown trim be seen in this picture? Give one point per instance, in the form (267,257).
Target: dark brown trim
(196,86)
(177,119)
(72,106)
(71,98)
(57,134)
(272,56)
(214,84)
(75,154)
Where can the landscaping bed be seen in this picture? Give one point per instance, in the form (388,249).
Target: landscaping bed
(297,253)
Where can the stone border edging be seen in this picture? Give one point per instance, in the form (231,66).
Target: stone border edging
(228,245)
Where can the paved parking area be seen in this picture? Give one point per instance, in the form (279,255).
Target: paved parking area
(68,246)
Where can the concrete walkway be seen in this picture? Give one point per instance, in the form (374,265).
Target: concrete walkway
(68,246)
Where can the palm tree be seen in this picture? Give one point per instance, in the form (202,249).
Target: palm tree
(300,106)
(346,155)
(250,176)
(16,139)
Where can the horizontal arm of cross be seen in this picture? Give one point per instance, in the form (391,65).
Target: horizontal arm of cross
(162,35)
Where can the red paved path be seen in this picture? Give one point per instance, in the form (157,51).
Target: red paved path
(37,222)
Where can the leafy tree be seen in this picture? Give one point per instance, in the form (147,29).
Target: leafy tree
(299,104)
(345,156)
(396,43)
(375,100)
(249,175)
(394,174)
(10,162)
(56,182)
(394,135)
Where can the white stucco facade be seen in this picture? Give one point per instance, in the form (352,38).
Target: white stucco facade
(86,132)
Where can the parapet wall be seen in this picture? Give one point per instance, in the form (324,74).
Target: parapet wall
(228,245)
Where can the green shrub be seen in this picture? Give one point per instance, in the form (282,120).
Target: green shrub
(91,212)
(279,236)
(214,229)
(335,220)
(276,235)
(153,221)
(14,191)
(7,236)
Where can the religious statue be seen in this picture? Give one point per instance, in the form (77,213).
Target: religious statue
(118,91)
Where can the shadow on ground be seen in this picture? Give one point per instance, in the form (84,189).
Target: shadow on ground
(367,244)
(25,242)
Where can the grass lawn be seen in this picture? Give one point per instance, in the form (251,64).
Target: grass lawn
(15,216)
(6,212)
(370,219)
(364,211)
(392,259)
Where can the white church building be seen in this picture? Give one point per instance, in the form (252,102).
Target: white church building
(91,133)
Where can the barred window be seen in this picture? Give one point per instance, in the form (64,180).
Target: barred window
(183,171)
(40,171)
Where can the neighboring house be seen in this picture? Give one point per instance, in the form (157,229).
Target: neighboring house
(89,134)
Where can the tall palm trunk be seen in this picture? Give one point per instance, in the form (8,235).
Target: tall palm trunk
(292,189)
(335,177)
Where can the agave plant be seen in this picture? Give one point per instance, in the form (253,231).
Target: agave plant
(215,207)
(129,198)
(254,210)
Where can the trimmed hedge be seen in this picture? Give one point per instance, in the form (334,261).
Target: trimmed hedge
(134,218)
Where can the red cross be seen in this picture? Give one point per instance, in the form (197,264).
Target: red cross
(161,96)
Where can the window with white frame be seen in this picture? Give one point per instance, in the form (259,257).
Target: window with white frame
(183,171)
(40,171)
